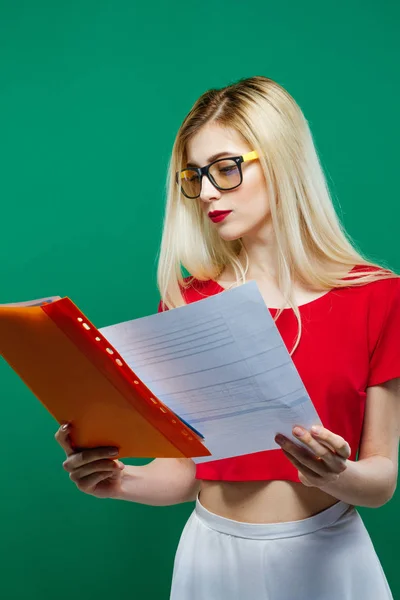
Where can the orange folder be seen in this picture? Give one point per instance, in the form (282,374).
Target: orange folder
(81,379)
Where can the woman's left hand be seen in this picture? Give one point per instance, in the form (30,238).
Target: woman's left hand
(326,460)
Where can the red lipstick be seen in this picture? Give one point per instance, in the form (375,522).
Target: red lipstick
(218,215)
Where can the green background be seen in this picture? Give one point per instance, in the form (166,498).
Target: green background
(91,96)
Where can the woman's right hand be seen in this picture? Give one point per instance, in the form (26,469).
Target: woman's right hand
(92,470)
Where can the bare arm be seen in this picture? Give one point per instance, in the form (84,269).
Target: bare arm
(372,480)
(162,482)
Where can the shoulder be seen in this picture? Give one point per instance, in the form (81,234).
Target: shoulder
(193,289)
(383,289)
(366,301)
(379,301)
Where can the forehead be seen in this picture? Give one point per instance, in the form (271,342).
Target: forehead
(212,139)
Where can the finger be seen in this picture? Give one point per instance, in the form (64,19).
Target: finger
(95,467)
(339,444)
(308,472)
(332,458)
(90,455)
(304,458)
(62,437)
(89,483)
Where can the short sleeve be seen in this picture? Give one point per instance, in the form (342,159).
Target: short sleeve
(385,357)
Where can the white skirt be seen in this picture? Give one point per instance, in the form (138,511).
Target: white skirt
(329,556)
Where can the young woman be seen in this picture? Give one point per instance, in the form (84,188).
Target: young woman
(247,200)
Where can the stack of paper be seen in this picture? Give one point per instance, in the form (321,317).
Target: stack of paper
(222,366)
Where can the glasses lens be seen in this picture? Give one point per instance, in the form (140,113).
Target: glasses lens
(225,173)
(190,182)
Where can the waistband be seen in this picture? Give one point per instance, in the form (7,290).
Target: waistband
(259,531)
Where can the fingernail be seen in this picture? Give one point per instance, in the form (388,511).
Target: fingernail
(113,452)
(279,438)
(298,431)
(316,429)
(64,427)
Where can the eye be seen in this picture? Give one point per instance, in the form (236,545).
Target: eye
(230,169)
(190,176)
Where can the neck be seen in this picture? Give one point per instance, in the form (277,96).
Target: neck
(261,255)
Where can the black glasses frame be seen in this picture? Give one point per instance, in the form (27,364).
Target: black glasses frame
(201,171)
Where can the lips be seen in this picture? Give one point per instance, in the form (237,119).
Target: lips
(218,215)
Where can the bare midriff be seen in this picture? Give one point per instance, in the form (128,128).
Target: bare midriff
(263,501)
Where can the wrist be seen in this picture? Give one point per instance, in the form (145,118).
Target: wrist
(369,482)
(130,484)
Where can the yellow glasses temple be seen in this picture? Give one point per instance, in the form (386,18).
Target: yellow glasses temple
(250,156)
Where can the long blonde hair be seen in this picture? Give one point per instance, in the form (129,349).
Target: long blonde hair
(308,232)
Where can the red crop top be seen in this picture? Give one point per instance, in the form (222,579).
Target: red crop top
(350,340)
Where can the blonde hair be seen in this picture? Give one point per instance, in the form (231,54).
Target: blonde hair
(308,232)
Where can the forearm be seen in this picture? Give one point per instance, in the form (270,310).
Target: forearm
(370,482)
(163,482)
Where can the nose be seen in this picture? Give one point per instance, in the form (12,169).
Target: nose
(208,192)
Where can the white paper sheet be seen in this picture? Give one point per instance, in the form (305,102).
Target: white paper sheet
(222,366)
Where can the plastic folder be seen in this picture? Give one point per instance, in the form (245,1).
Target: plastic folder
(80,378)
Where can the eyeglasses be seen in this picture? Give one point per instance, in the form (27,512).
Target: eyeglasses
(224,174)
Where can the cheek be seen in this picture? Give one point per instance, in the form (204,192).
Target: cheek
(254,200)
(254,194)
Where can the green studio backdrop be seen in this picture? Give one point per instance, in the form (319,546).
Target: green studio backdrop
(91,96)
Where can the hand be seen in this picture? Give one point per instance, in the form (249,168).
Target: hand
(92,469)
(324,462)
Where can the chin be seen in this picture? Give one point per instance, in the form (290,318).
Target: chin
(261,228)
(230,234)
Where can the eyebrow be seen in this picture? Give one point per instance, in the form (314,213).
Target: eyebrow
(213,157)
